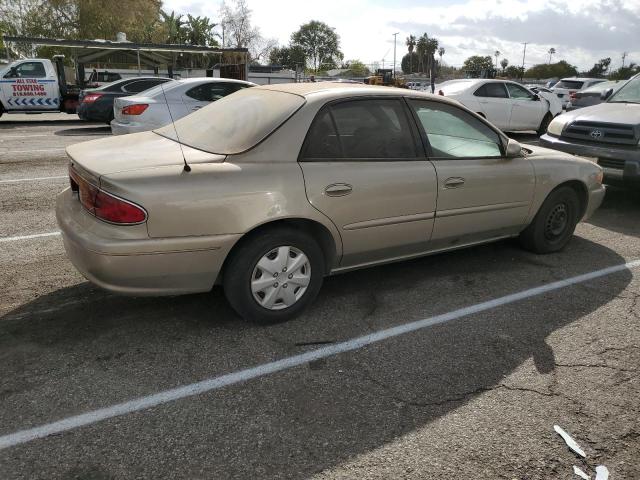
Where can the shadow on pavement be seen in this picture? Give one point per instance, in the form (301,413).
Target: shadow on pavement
(71,132)
(620,211)
(80,348)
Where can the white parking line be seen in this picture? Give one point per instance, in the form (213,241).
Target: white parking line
(28,237)
(33,179)
(62,149)
(143,403)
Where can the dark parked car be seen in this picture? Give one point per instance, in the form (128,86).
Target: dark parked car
(96,104)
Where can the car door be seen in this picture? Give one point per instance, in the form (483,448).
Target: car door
(365,169)
(527,110)
(495,103)
(202,95)
(481,194)
(27,87)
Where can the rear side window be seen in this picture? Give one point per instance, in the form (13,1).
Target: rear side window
(454,133)
(141,85)
(492,90)
(367,129)
(210,92)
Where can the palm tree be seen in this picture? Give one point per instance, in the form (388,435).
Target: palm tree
(411,44)
(432,48)
(174,26)
(199,31)
(421,47)
(441,53)
(496,54)
(551,52)
(503,63)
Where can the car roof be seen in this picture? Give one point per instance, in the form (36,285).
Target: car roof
(582,79)
(345,90)
(212,80)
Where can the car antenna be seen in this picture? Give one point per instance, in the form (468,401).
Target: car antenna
(187,168)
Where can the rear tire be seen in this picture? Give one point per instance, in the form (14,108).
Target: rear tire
(554,224)
(271,277)
(542,129)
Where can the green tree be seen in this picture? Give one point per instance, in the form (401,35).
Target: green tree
(503,63)
(554,70)
(551,52)
(199,31)
(513,72)
(408,61)
(477,63)
(320,44)
(411,45)
(626,72)
(421,48)
(173,27)
(357,68)
(600,68)
(288,57)
(496,54)
(441,52)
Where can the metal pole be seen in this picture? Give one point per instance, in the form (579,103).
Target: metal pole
(395,38)
(523,55)
(139,71)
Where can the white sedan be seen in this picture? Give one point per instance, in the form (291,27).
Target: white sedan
(508,105)
(158,106)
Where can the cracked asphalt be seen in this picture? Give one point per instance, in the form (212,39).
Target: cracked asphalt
(475,397)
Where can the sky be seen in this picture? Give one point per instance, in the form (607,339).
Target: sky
(581,31)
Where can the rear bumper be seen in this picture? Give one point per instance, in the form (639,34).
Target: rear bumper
(104,255)
(118,128)
(94,113)
(631,157)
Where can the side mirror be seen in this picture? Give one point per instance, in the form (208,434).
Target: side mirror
(536,96)
(14,72)
(606,94)
(514,149)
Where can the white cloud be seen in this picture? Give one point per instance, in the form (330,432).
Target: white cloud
(581,32)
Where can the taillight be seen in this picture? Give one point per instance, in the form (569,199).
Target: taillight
(104,205)
(136,109)
(572,95)
(92,97)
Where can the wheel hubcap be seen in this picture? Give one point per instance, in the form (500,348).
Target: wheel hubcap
(280,278)
(557,222)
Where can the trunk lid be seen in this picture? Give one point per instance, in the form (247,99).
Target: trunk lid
(134,152)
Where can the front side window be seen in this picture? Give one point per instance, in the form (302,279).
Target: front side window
(492,90)
(27,70)
(454,133)
(360,130)
(517,92)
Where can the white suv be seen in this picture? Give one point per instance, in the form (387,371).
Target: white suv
(567,86)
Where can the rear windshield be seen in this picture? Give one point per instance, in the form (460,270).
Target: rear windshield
(569,84)
(234,123)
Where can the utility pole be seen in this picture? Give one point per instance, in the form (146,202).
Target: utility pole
(524,53)
(624,55)
(395,38)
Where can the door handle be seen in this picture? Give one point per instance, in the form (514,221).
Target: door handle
(338,189)
(453,182)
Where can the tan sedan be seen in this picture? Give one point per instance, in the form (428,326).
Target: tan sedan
(305,180)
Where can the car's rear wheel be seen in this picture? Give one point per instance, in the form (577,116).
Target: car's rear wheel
(272,277)
(542,129)
(554,224)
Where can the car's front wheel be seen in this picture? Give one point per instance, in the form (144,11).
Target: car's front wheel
(554,224)
(542,129)
(273,276)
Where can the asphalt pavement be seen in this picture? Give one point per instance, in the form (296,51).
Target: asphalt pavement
(476,396)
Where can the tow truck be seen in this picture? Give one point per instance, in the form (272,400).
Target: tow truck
(37,85)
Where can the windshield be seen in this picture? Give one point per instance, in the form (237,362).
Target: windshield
(600,87)
(630,92)
(234,123)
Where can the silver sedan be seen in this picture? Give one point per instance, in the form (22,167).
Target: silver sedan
(160,105)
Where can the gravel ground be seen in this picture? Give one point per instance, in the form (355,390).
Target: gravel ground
(476,397)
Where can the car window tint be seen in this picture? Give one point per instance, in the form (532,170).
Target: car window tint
(454,133)
(210,92)
(516,91)
(28,70)
(491,90)
(570,84)
(140,85)
(322,139)
(373,128)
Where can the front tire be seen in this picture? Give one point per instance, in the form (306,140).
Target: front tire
(274,275)
(554,224)
(544,125)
